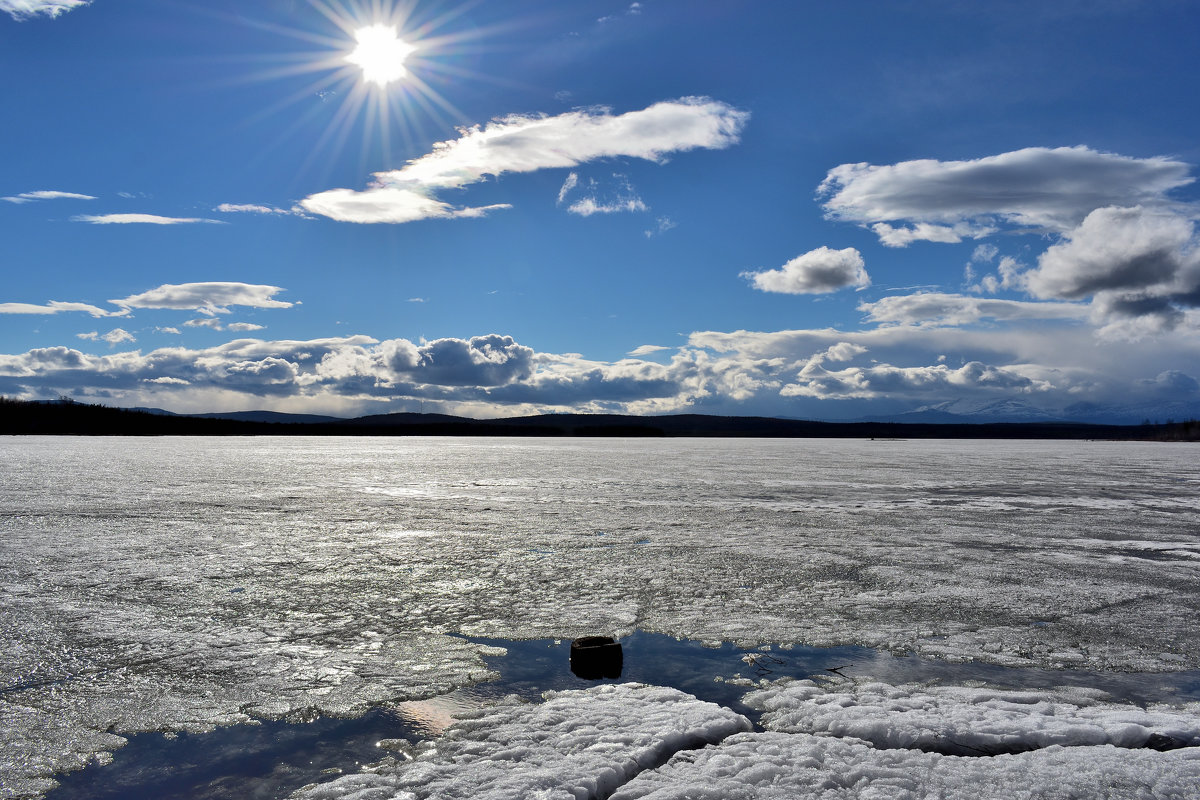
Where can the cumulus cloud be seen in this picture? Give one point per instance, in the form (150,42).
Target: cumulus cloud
(24,9)
(1121,249)
(1173,383)
(526,143)
(113,337)
(204,322)
(844,351)
(1044,188)
(791,373)
(29,197)
(892,236)
(479,361)
(209,297)
(893,381)
(140,219)
(815,272)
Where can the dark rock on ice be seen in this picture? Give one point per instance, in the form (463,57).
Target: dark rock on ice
(596,657)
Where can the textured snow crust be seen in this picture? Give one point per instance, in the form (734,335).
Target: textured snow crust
(779,766)
(179,584)
(636,741)
(575,745)
(970,720)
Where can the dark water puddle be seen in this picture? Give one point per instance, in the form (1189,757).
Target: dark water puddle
(272,759)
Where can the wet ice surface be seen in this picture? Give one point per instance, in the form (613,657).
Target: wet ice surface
(182,584)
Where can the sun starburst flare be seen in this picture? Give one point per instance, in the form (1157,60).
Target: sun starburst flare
(380,54)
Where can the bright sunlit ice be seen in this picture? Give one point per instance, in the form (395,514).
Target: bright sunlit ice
(381,54)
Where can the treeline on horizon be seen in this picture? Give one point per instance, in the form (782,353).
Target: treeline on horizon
(68,417)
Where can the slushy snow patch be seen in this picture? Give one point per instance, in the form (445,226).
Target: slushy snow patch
(963,720)
(575,745)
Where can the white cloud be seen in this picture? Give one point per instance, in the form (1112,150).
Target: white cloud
(29,197)
(815,272)
(204,322)
(1120,249)
(526,143)
(211,297)
(479,361)
(169,329)
(844,351)
(113,337)
(24,9)
(244,327)
(956,309)
(984,253)
(590,205)
(1038,187)
(246,208)
(572,180)
(923,231)
(135,219)
(623,198)
(791,373)
(57,307)
(392,204)
(647,349)
(662,225)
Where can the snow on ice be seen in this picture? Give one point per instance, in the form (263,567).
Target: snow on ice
(179,584)
(575,745)
(612,741)
(964,720)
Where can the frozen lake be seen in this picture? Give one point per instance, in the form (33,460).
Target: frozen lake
(177,584)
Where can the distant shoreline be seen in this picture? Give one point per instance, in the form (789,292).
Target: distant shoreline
(68,418)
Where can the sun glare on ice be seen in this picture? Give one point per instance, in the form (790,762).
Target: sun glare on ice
(381,54)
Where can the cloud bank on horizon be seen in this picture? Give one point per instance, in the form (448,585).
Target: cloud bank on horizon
(572,261)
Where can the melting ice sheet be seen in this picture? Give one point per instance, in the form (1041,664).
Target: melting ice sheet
(181,584)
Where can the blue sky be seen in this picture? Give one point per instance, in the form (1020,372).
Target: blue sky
(821,210)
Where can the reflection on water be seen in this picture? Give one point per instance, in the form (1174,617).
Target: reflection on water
(272,759)
(428,719)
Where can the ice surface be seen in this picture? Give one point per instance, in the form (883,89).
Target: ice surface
(178,584)
(575,745)
(780,766)
(612,741)
(964,720)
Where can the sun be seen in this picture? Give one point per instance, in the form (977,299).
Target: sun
(380,54)
(379,67)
